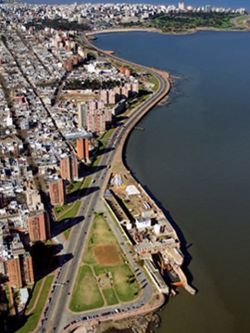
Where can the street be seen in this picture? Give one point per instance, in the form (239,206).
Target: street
(58,316)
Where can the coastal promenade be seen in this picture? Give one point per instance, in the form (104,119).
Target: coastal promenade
(151,300)
(134,118)
(58,317)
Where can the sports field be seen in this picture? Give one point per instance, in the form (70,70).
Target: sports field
(103,278)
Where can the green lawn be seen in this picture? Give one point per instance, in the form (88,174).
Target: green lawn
(34,295)
(59,209)
(86,294)
(242,22)
(72,212)
(136,103)
(34,317)
(74,186)
(95,161)
(72,209)
(86,183)
(125,290)
(66,233)
(110,296)
(154,81)
(7,293)
(106,136)
(125,286)
(103,139)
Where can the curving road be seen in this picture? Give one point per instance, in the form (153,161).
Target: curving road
(57,316)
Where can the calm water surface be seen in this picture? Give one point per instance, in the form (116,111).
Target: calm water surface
(194,155)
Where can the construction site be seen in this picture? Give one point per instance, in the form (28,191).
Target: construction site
(152,237)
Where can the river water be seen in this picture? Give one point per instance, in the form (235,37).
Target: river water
(194,156)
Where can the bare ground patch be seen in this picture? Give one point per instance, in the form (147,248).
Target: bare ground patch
(107,255)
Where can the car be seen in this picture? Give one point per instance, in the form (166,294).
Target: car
(67,326)
(106,313)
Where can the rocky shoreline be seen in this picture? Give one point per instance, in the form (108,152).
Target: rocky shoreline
(139,324)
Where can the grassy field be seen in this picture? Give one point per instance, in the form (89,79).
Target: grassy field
(86,183)
(242,22)
(154,81)
(106,136)
(60,211)
(107,271)
(110,296)
(74,186)
(103,139)
(86,294)
(34,295)
(72,212)
(34,317)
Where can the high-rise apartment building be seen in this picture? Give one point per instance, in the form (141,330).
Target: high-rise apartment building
(108,96)
(82,146)
(27,271)
(38,226)
(13,271)
(181,5)
(69,167)
(82,115)
(93,116)
(57,192)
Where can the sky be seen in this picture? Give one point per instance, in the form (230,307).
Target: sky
(195,3)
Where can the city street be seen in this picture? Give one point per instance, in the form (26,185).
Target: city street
(58,315)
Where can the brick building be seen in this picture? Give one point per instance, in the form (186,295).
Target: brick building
(38,226)
(69,167)
(57,192)
(82,147)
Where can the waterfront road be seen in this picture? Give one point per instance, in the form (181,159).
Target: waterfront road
(57,315)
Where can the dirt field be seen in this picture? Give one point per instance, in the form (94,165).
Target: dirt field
(107,255)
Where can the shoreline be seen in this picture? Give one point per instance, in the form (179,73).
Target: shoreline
(120,156)
(158,297)
(159,31)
